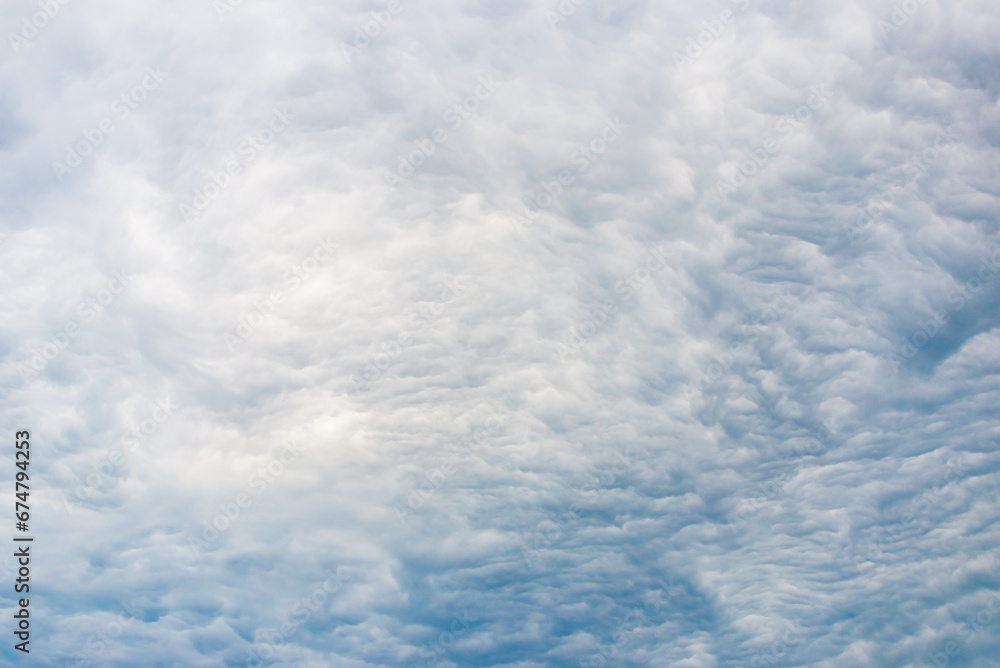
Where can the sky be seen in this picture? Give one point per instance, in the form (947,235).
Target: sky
(503,333)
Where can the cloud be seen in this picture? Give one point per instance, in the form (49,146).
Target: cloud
(554,401)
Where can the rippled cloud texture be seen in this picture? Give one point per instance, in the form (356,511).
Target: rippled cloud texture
(504,332)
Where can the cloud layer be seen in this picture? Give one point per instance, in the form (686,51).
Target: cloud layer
(505,333)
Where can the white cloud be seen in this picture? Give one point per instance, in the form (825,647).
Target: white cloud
(743,465)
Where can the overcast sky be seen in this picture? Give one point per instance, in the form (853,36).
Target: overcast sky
(504,332)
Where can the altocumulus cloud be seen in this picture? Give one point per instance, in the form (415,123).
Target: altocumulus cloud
(781,449)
